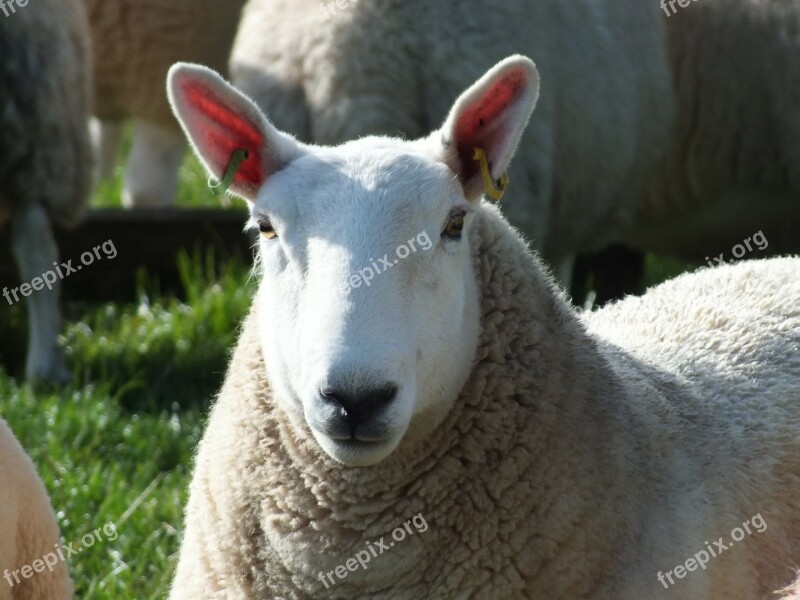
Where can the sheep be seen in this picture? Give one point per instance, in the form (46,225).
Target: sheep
(135,42)
(732,165)
(379,375)
(45,155)
(329,73)
(30,566)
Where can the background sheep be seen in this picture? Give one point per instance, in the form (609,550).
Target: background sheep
(135,42)
(734,156)
(554,455)
(28,529)
(328,75)
(45,153)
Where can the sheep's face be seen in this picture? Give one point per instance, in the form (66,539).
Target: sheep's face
(368,303)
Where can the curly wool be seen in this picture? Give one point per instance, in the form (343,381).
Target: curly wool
(28,527)
(568,468)
(45,86)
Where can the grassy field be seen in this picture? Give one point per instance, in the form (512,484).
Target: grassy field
(116,445)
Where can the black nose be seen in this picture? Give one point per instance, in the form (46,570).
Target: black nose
(359,406)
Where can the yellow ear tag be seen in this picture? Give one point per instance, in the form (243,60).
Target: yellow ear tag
(494,190)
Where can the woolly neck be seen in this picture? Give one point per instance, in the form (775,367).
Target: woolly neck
(537,379)
(525,323)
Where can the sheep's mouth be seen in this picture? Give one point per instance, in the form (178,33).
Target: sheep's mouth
(354,441)
(360,435)
(358,444)
(355,451)
(358,439)
(340,431)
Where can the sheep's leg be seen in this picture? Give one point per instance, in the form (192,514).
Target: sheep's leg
(35,251)
(151,175)
(107,139)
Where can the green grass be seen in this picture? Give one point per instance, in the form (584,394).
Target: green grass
(116,445)
(193,191)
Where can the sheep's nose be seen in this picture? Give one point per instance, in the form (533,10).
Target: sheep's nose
(357,407)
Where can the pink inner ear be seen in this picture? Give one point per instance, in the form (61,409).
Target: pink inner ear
(482,124)
(223,131)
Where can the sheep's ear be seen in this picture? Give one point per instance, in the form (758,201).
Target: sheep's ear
(492,114)
(219,120)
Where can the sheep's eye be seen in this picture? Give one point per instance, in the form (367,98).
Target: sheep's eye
(455,224)
(266,229)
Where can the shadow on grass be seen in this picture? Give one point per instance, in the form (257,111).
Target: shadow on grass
(158,353)
(165,351)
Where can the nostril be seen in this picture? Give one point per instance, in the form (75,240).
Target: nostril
(357,406)
(336,399)
(381,396)
(387,393)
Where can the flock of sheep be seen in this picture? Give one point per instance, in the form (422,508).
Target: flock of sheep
(555,453)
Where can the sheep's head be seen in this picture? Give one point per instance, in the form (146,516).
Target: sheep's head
(368,304)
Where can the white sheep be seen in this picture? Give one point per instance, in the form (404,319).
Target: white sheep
(733,165)
(332,72)
(31,563)
(134,44)
(45,156)
(551,454)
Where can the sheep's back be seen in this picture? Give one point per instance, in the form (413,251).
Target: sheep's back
(727,328)
(728,339)
(45,154)
(730,335)
(713,362)
(135,42)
